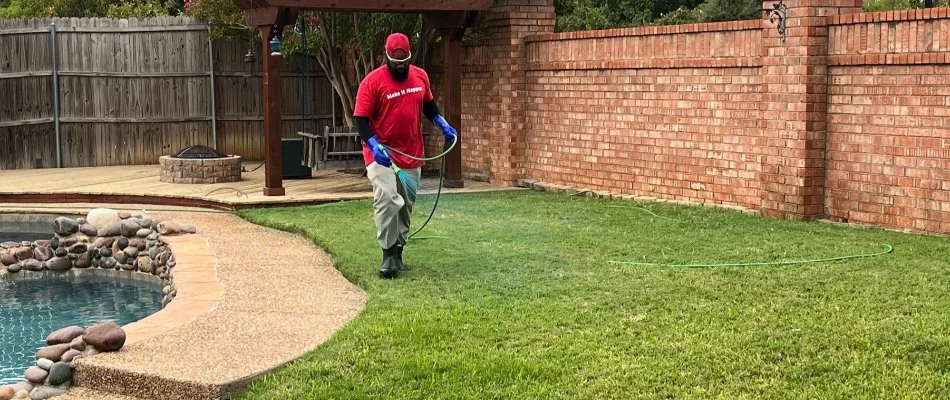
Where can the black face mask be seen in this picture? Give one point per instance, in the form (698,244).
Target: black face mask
(398,75)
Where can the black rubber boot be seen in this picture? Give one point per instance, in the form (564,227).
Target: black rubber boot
(402,267)
(390,268)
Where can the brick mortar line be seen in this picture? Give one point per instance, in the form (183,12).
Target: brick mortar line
(648,31)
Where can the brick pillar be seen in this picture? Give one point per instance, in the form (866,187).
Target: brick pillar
(509,21)
(795,79)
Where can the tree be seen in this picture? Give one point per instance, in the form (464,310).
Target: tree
(602,14)
(85,8)
(346,45)
(730,10)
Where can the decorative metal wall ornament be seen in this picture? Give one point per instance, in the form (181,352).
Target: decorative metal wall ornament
(779,12)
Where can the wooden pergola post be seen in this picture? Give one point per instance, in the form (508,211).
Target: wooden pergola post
(273,168)
(452,40)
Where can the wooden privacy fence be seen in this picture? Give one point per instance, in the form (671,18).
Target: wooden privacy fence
(94,92)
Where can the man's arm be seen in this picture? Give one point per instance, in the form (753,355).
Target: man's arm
(431,110)
(364,128)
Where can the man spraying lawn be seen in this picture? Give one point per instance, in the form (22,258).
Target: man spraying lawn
(387,114)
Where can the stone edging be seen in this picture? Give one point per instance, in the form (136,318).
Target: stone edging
(146,251)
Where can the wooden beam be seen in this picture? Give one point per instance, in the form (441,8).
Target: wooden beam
(261,16)
(446,19)
(273,168)
(452,42)
(382,5)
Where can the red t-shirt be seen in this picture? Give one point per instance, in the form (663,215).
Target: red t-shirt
(395,112)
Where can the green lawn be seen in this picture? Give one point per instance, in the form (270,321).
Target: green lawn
(522,302)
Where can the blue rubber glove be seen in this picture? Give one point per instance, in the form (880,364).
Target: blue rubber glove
(379,152)
(447,130)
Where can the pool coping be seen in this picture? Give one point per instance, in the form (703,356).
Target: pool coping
(199,290)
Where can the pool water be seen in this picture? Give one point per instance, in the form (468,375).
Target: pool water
(24,236)
(33,305)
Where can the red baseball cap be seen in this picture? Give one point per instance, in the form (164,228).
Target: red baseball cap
(397,42)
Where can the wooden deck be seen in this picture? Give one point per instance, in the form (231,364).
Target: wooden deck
(139,184)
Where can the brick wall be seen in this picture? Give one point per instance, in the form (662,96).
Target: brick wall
(663,111)
(889,120)
(845,118)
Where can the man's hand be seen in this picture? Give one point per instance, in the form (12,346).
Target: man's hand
(447,130)
(379,152)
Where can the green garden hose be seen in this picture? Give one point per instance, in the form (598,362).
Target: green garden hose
(438,194)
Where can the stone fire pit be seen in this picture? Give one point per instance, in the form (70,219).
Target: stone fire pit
(200,164)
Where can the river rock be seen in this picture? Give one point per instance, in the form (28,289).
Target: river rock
(145,223)
(143,233)
(42,253)
(54,352)
(7,259)
(69,241)
(144,264)
(112,229)
(7,392)
(45,363)
(188,229)
(121,257)
(125,215)
(46,392)
(59,264)
(132,251)
(83,261)
(122,243)
(60,373)
(108,263)
(169,228)
(88,230)
(65,226)
(60,252)
(77,343)
(65,335)
(70,355)
(105,337)
(105,252)
(100,217)
(24,253)
(32,265)
(79,248)
(25,385)
(14,268)
(103,242)
(54,242)
(36,374)
(129,228)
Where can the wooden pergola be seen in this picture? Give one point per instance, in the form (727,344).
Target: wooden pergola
(450,17)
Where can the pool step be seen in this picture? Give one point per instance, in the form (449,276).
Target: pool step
(144,386)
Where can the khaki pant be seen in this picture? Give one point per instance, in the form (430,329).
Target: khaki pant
(391,206)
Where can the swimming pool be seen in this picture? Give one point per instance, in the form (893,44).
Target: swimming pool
(34,304)
(26,227)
